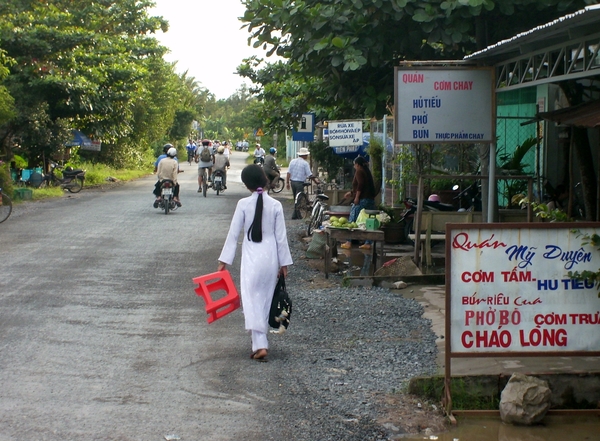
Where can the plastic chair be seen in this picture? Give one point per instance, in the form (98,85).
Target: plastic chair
(210,283)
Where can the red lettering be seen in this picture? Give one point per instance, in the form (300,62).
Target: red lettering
(442,85)
(462,242)
(544,337)
(413,78)
(523,302)
(467,339)
(485,339)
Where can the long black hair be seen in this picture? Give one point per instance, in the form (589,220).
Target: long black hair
(254,179)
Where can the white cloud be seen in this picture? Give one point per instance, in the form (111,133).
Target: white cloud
(206,40)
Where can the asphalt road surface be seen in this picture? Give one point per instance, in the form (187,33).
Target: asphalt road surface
(101,334)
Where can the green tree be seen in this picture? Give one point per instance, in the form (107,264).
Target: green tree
(7,102)
(234,118)
(350,47)
(78,65)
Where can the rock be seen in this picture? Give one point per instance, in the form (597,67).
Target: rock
(400,285)
(525,400)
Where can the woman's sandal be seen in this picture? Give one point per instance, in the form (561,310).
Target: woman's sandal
(260,355)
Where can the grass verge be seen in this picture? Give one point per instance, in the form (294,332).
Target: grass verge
(96,174)
(468,393)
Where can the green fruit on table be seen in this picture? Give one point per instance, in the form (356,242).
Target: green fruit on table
(343,220)
(334,219)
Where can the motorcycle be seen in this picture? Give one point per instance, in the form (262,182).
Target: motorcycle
(217,183)
(277,183)
(410,205)
(71,181)
(259,160)
(469,199)
(166,201)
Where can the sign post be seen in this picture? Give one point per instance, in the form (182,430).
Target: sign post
(306,128)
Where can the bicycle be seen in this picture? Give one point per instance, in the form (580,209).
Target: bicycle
(5,206)
(318,211)
(204,181)
(304,206)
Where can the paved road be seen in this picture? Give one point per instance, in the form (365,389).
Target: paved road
(101,334)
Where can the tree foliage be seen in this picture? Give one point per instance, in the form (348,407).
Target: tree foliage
(235,118)
(349,47)
(93,66)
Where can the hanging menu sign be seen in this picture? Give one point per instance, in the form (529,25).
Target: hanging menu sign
(444,105)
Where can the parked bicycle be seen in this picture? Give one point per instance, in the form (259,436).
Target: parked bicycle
(303,205)
(318,211)
(5,206)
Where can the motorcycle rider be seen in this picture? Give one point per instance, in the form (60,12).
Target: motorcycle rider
(191,150)
(270,167)
(220,164)
(259,153)
(166,147)
(168,168)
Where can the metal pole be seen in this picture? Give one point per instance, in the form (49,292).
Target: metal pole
(417,221)
(492,183)
(384,159)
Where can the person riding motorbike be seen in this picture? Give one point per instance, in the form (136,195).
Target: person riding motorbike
(168,168)
(220,164)
(270,167)
(166,148)
(191,150)
(259,154)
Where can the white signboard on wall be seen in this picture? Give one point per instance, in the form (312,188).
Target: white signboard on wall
(345,133)
(510,290)
(444,105)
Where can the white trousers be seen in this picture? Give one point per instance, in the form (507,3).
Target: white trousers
(259,341)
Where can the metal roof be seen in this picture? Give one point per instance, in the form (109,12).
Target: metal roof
(582,115)
(583,22)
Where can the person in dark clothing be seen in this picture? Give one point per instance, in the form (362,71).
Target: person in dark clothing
(362,194)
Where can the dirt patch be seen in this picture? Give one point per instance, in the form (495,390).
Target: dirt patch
(402,266)
(404,414)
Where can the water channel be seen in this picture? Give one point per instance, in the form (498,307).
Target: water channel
(554,428)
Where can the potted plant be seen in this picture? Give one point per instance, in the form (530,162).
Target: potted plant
(392,227)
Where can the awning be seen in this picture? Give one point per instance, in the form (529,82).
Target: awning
(78,139)
(351,152)
(581,115)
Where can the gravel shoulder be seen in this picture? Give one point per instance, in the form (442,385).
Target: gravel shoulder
(347,358)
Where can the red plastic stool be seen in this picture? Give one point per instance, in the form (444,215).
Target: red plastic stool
(221,280)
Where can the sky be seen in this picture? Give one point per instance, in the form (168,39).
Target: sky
(206,40)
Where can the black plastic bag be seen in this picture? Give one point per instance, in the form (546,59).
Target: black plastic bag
(281,306)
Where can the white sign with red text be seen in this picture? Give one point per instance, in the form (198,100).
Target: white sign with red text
(510,290)
(444,105)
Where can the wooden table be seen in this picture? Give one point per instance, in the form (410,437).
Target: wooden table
(343,234)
